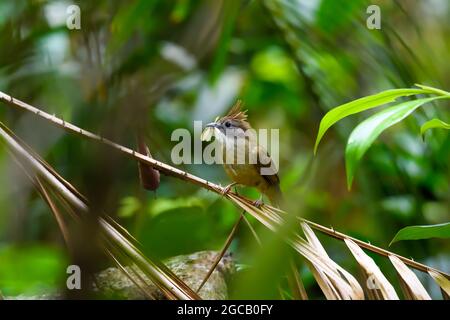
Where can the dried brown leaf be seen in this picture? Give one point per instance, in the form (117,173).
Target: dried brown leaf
(410,283)
(375,279)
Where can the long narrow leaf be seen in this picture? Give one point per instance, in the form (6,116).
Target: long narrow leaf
(432,124)
(367,131)
(359,105)
(411,285)
(442,281)
(373,274)
(352,288)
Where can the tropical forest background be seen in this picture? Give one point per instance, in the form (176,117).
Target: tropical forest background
(155,66)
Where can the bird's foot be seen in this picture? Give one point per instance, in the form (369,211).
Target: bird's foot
(258,203)
(228,188)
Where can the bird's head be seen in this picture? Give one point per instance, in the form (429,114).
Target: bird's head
(234,123)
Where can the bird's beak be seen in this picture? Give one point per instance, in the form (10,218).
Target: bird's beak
(212,125)
(209,131)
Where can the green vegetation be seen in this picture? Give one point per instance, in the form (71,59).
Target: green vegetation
(145,68)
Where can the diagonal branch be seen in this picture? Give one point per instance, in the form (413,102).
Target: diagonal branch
(222,252)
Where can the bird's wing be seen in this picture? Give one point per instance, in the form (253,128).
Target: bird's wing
(265,161)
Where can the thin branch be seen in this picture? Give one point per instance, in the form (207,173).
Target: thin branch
(222,252)
(160,166)
(169,170)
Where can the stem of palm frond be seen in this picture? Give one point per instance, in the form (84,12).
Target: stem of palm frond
(183,175)
(46,197)
(135,277)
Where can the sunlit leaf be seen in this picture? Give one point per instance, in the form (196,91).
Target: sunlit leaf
(423,232)
(362,104)
(128,207)
(433,90)
(367,131)
(434,123)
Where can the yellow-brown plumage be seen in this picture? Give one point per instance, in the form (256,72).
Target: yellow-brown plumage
(247,174)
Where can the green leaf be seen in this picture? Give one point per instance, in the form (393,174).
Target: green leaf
(423,232)
(162,205)
(434,123)
(129,206)
(362,104)
(437,91)
(367,131)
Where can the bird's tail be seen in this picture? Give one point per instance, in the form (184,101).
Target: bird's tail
(275,196)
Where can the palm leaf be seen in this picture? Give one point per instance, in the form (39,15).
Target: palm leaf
(411,286)
(442,281)
(331,288)
(377,284)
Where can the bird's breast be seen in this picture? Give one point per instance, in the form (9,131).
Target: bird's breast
(237,166)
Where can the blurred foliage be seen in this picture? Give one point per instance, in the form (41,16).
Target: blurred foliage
(159,65)
(31,269)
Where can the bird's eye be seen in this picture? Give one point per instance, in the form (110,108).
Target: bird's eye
(228,124)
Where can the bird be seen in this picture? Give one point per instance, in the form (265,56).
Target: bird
(238,142)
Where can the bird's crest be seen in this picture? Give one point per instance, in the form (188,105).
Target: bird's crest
(236,112)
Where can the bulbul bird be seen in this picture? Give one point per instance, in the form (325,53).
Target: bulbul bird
(238,142)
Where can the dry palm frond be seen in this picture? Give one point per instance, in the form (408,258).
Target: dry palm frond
(54,209)
(295,283)
(332,289)
(411,286)
(339,281)
(134,277)
(377,284)
(163,278)
(443,283)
